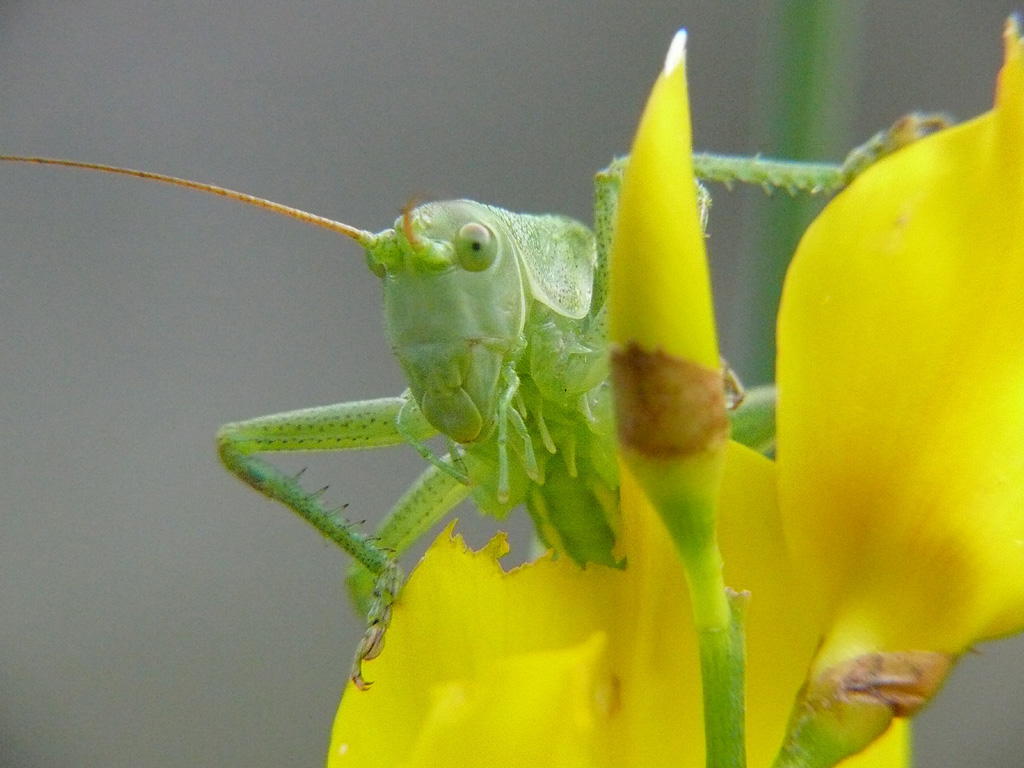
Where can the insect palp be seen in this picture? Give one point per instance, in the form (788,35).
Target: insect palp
(542,427)
(422,448)
(455,455)
(529,458)
(407,228)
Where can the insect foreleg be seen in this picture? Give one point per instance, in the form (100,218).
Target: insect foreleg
(606,199)
(434,494)
(345,426)
(428,500)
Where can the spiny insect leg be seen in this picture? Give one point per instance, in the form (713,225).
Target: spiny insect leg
(344,426)
(427,501)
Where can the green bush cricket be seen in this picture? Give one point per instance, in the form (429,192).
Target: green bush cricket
(498,322)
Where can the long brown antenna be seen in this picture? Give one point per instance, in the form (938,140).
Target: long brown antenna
(362,237)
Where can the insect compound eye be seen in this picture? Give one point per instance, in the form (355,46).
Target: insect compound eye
(475,247)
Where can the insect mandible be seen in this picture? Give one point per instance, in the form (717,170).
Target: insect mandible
(498,322)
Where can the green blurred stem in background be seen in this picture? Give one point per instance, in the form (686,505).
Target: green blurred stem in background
(812,52)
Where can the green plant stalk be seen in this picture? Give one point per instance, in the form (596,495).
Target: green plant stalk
(806,113)
(720,640)
(688,510)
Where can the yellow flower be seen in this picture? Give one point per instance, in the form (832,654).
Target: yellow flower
(901,391)
(667,383)
(556,666)
(901,420)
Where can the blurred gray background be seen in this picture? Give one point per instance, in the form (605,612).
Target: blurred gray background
(154,611)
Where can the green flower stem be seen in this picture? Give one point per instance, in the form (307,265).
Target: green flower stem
(718,617)
(721,662)
(806,95)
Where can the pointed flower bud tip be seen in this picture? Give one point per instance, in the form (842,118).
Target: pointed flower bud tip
(676,56)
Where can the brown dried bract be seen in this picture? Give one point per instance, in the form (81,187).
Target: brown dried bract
(667,407)
(903,681)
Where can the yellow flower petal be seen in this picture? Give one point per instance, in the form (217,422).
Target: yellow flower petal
(459,616)
(457,622)
(658,267)
(901,391)
(665,369)
(552,665)
(549,705)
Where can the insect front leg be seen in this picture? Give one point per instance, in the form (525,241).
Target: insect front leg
(345,426)
(428,500)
